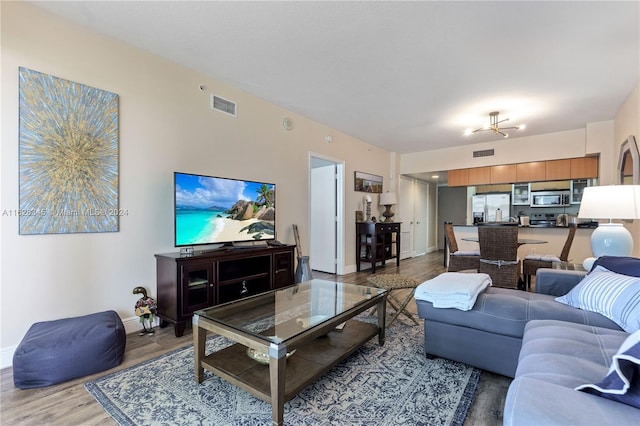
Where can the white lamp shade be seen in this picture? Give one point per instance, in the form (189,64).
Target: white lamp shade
(610,202)
(388,198)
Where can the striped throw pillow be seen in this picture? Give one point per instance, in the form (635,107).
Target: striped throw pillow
(615,296)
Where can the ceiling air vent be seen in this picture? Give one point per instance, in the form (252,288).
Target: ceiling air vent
(223,105)
(484,153)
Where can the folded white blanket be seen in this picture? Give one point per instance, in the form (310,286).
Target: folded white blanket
(458,303)
(543,257)
(453,290)
(454,283)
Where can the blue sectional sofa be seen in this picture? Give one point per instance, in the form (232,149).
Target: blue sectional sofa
(549,346)
(489,336)
(557,357)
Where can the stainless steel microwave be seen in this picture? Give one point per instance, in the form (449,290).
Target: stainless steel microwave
(550,198)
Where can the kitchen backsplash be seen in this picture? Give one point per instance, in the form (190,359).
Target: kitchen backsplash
(528,211)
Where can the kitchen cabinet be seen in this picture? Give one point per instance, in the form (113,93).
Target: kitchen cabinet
(459,177)
(584,168)
(520,194)
(530,172)
(577,189)
(479,176)
(534,171)
(505,173)
(486,189)
(552,185)
(558,169)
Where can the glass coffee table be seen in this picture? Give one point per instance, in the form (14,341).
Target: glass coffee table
(287,338)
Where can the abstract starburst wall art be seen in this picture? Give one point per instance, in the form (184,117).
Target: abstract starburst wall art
(68,156)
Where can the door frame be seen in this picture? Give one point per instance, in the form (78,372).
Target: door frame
(340,166)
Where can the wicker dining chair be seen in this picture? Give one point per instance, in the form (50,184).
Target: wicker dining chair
(531,263)
(499,255)
(459,260)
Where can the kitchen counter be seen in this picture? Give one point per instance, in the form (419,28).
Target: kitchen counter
(556,237)
(531,226)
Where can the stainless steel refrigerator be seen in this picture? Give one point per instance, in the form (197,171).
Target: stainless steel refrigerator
(485,207)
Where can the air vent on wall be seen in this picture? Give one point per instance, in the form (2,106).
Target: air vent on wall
(223,105)
(483,153)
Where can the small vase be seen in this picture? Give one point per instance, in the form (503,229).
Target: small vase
(303,271)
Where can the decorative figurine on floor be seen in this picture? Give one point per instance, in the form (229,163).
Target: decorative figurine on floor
(146,309)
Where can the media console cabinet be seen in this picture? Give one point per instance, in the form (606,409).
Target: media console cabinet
(186,284)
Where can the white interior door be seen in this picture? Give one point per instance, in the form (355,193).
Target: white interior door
(323,203)
(432,223)
(421,211)
(404,214)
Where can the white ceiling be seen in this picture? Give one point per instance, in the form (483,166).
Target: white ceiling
(405,76)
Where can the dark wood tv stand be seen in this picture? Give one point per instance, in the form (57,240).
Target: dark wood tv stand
(212,277)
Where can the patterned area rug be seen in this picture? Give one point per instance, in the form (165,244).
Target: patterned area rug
(390,385)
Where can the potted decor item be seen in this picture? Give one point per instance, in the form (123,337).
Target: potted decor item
(303,270)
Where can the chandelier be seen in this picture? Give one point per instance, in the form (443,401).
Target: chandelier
(494,125)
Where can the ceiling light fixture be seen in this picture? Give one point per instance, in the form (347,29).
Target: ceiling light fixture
(494,125)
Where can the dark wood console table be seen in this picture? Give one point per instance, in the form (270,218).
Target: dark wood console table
(189,283)
(377,242)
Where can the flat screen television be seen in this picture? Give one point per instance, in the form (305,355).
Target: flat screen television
(215,210)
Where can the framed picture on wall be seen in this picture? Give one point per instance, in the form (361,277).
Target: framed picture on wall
(68,156)
(366,182)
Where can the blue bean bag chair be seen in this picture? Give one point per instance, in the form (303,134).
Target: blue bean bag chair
(56,351)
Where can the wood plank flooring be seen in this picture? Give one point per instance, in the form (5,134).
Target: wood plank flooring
(70,404)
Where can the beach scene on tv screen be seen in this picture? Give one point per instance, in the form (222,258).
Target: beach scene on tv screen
(217,210)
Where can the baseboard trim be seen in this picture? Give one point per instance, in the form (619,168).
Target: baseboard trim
(6,356)
(349,269)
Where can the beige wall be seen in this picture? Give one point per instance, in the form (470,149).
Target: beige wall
(566,144)
(165,125)
(595,138)
(627,123)
(599,140)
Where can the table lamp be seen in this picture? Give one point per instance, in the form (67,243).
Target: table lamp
(610,202)
(388,199)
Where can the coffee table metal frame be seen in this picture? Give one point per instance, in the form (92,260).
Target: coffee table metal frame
(319,347)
